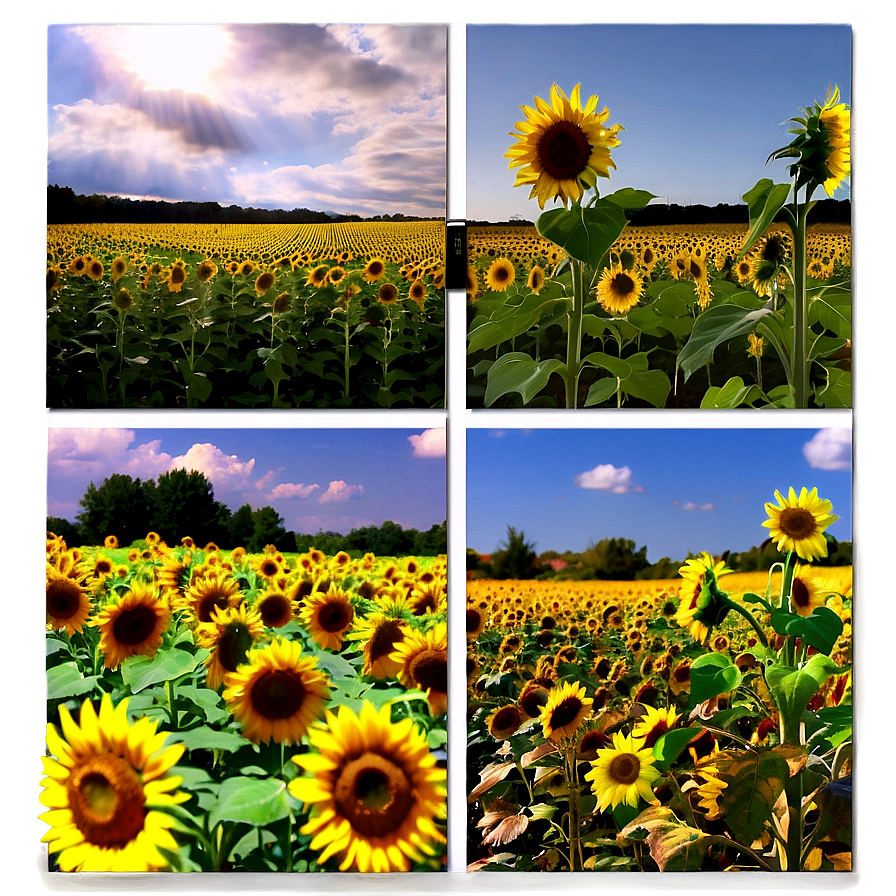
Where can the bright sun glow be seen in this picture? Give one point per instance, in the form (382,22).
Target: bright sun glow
(169,57)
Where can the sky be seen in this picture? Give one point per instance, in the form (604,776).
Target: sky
(702,106)
(673,490)
(316,479)
(341,118)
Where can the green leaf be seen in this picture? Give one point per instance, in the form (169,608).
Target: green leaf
(716,325)
(601,391)
(66,680)
(712,674)
(512,321)
(207,701)
(832,308)
(140,672)
(765,200)
(733,394)
(585,233)
(837,391)
(628,197)
(792,689)
(253,801)
(635,379)
(820,629)
(205,738)
(200,386)
(668,748)
(517,372)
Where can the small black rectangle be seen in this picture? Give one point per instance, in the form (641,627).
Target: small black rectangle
(456,255)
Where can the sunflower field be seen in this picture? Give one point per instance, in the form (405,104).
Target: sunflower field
(213,710)
(703,723)
(244,316)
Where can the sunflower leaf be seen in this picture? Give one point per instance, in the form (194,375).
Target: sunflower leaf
(585,233)
(250,800)
(517,372)
(65,680)
(139,672)
(819,630)
(667,749)
(628,197)
(712,674)
(765,200)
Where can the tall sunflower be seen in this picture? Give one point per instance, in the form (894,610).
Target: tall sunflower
(623,773)
(562,147)
(619,290)
(327,616)
(798,523)
(566,710)
(373,789)
(229,636)
(132,625)
(107,790)
(277,694)
(424,664)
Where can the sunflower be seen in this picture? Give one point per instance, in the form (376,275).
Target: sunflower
(205,270)
(623,773)
(336,275)
(562,147)
(703,604)
(176,278)
(277,694)
(654,724)
(504,721)
(417,292)
(282,303)
(247,267)
(536,279)
(373,790)
(756,345)
(566,709)
(263,282)
(207,591)
(805,593)
(501,274)
(229,636)
(798,523)
(119,268)
(380,633)
(132,625)
(709,791)
(387,294)
(619,289)
(105,789)
(110,543)
(424,664)
(327,616)
(317,276)
(275,607)
(374,270)
(680,678)
(68,603)
(94,269)
(472,283)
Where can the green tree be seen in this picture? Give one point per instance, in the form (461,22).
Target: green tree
(433,541)
(241,527)
(516,558)
(267,529)
(183,503)
(119,506)
(70,532)
(615,559)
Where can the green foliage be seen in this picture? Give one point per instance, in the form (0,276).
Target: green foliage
(119,506)
(516,558)
(615,559)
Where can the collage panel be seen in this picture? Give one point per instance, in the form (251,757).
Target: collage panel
(246,647)
(236,229)
(659,649)
(672,233)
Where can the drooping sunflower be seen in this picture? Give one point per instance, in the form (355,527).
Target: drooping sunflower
(424,664)
(566,710)
(623,773)
(119,268)
(619,290)
(229,636)
(373,789)
(327,616)
(263,282)
(501,274)
(68,603)
(562,147)
(703,604)
(282,303)
(277,694)
(107,790)
(798,523)
(132,625)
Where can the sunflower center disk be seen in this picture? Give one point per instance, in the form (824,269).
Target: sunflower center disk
(277,695)
(134,626)
(565,712)
(384,639)
(62,600)
(623,284)
(797,522)
(563,150)
(233,645)
(374,794)
(429,669)
(799,594)
(625,768)
(335,617)
(208,603)
(106,800)
(275,610)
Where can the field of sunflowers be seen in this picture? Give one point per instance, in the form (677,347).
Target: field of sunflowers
(244,316)
(703,723)
(210,710)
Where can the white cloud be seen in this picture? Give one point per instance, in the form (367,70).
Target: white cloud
(291,490)
(339,490)
(606,477)
(829,449)
(95,454)
(693,505)
(430,443)
(224,471)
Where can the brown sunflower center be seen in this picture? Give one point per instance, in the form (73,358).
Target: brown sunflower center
(233,645)
(624,768)
(533,700)
(474,619)
(275,610)
(501,273)
(797,522)
(335,616)
(63,599)
(375,268)
(696,270)
(563,150)
(623,284)
(106,801)
(506,719)
(682,673)
(208,602)
(374,794)
(384,638)
(429,670)
(565,712)
(135,625)
(277,695)
(425,603)
(799,594)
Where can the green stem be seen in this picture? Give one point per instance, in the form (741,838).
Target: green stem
(799,361)
(574,334)
(793,789)
(749,617)
(172,712)
(346,364)
(575,831)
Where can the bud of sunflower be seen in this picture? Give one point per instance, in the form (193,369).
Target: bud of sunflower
(703,603)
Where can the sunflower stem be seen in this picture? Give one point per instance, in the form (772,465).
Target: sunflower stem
(574,334)
(749,617)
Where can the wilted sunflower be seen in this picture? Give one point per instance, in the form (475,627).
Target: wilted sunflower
(566,710)
(327,617)
(229,636)
(105,789)
(623,773)
(501,274)
(562,147)
(703,604)
(68,603)
(277,694)
(132,625)
(798,523)
(387,294)
(504,721)
(373,790)
(424,664)
(619,289)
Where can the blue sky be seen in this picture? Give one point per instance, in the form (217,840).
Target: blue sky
(344,118)
(702,105)
(330,479)
(673,490)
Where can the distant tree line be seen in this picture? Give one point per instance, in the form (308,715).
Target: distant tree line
(64,206)
(619,560)
(182,503)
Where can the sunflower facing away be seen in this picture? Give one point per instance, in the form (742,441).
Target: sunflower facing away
(703,604)
(623,773)
(619,289)
(373,790)
(562,147)
(565,711)
(104,791)
(277,694)
(133,625)
(798,523)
